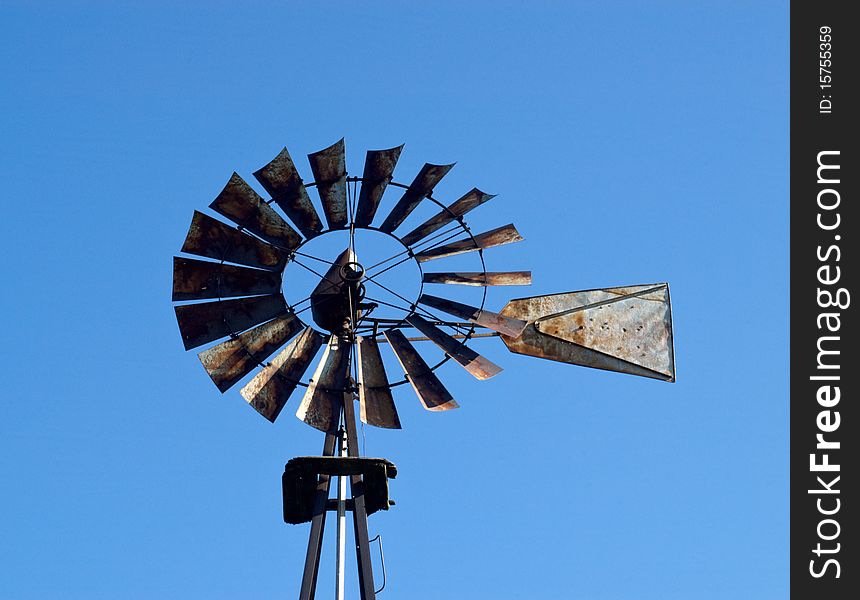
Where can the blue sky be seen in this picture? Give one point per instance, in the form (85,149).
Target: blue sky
(629,142)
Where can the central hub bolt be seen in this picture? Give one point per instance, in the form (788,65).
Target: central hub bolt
(352,272)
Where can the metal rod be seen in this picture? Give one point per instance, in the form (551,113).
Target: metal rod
(456,336)
(359,513)
(310,256)
(417,307)
(415,247)
(340,569)
(382,561)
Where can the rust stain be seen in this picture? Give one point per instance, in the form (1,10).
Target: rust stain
(497,237)
(378,169)
(484,318)
(428,388)
(213,239)
(320,407)
(329,168)
(281,179)
(242,205)
(270,389)
(374,394)
(479,278)
(199,279)
(230,361)
(471,200)
(421,187)
(478,366)
(627,329)
(208,321)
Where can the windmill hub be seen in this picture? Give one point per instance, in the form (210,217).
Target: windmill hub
(389,282)
(352,272)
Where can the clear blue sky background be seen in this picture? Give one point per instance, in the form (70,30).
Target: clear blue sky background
(630,142)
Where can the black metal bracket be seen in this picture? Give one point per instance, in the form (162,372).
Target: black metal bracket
(302,476)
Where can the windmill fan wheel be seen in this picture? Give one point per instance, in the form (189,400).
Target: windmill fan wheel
(236,293)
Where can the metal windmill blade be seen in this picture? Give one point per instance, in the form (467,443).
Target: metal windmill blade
(241,204)
(320,406)
(470,360)
(420,188)
(233,295)
(480,279)
(208,321)
(283,182)
(378,169)
(427,386)
(485,318)
(199,280)
(270,389)
(500,236)
(329,167)
(230,361)
(374,393)
(211,238)
(470,201)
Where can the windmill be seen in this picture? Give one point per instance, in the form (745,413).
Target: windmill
(237,295)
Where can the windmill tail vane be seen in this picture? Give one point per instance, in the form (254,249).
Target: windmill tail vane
(233,290)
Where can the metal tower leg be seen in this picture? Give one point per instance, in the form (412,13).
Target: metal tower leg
(340,562)
(312,558)
(359,512)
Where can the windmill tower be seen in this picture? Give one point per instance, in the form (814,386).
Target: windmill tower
(365,330)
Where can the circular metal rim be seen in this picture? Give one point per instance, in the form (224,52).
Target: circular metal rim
(464,228)
(291,253)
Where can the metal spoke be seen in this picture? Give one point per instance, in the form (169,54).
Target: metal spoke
(377,300)
(454,230)
(389,259)
(298,312)
(388,268)
(456,336)
(421,243)
(352,203)
(417,307)
(300,302)
(321,276)
(413,248)
(322,260)
(390,291)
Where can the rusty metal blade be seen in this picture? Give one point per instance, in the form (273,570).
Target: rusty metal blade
(329,167)
(470,360)
(230,361)
(481,278)
(421,187)
(484,318)
(241,204)
(427,386)
(208,321)
(497,237)
(270,389)
(378,168)
(320,407)
(199,279)
(282,181)
(624,329)
(471,200)
(377,403)
(211,238)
